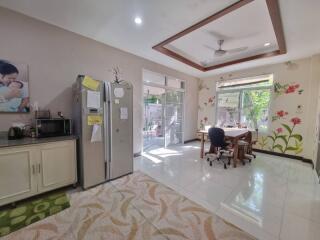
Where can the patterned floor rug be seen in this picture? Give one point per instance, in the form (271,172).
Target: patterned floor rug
(31,211)
(132,207)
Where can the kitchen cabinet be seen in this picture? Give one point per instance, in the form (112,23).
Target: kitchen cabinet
(32,169)
(57,165)
(17,174)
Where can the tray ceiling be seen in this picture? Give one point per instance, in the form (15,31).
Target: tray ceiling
(243,31)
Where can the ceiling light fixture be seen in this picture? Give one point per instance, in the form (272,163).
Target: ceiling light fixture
(267,44)
(138,20)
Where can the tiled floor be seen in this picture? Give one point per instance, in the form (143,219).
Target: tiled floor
(271,198)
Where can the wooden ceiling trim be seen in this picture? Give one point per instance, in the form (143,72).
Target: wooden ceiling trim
(180,58)
(274,11)
(259,56)
(205,21)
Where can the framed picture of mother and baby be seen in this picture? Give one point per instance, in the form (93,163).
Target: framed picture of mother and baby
(14,88)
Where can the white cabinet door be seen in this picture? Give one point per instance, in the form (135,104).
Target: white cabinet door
(57,165)
(17,173)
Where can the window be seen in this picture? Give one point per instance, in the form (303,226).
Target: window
(245,102)
(160,80)
(153,78)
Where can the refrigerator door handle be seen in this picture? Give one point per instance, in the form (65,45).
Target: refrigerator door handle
(107,132)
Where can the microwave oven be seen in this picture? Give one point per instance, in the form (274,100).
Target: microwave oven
(53,127)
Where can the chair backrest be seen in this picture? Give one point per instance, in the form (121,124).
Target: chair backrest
(216,136)
(248,137)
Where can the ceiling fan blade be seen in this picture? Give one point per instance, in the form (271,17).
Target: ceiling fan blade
(236,50)
(220,53)
(207,46)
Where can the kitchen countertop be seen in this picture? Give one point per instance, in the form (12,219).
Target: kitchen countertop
(4,142)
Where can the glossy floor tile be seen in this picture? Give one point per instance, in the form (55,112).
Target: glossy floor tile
(268,198)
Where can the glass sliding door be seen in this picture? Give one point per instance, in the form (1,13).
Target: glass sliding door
(173,115)
(153,129)
(163,110)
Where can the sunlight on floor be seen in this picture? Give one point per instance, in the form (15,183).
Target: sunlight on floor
(153,159)
(165,152)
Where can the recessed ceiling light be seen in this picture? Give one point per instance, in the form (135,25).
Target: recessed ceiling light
(267,44)
(138,20)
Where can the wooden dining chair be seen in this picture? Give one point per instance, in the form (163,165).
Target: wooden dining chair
(252,141)
(246,146)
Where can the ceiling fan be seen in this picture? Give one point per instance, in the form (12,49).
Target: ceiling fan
(220,52)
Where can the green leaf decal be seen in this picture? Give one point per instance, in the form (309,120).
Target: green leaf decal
(299,150)
(274,134)
(273,139)
(284,138)
(297,136)
(278,146)
(287,127)
(291,148)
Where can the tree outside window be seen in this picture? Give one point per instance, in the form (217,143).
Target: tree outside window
(246,103)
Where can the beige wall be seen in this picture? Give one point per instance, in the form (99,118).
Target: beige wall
(304,72)
(55,57)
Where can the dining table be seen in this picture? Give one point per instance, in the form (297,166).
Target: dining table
(232,134)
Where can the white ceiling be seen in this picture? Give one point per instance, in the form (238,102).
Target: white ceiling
(236,29)
(111,22)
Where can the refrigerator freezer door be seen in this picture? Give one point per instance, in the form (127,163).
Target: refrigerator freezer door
(92,157)
(121,129)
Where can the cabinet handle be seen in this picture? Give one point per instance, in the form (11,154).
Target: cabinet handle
(33,169)
(39,168)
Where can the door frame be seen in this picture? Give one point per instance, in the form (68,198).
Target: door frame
(165,87)
(183,117)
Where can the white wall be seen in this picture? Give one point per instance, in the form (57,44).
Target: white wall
(56,56)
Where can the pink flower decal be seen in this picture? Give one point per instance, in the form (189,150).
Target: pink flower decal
(295,120)
(281,113)
(205,119)
(279,130)
(290,89)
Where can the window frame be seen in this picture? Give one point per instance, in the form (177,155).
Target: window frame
(166,79)
(240,104)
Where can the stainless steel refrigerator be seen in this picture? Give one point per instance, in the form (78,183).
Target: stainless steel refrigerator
(102,115)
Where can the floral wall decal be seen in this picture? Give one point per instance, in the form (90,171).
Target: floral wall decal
(203,122)
(202,85)
(206,107)
(210,101)
(279,115)
(263,142)
(299,109)
(284,138)
(280,89)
